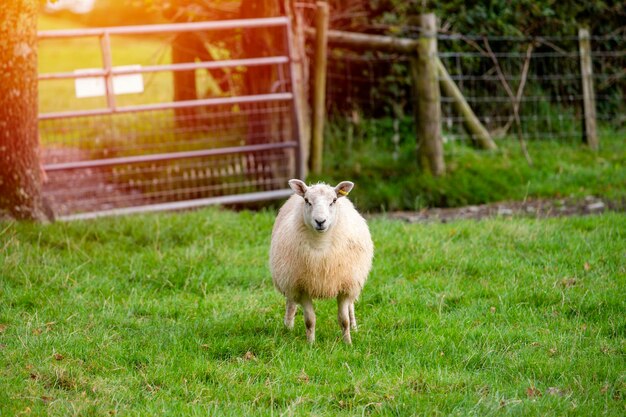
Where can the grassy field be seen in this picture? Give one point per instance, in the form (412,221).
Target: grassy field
(561,168)
(176,315)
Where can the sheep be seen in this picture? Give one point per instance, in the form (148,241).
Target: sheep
(320,248)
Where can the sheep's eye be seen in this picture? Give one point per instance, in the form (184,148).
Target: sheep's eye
(334,201)
(306,200)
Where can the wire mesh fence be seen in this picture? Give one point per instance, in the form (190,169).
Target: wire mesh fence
(539,76)
(112,162)
(161,146)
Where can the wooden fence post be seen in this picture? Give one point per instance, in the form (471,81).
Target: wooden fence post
(360,41)
(427,98)
(300,84)
(319,86)
(590,135)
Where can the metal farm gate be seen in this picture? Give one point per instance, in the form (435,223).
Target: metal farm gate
(119,158)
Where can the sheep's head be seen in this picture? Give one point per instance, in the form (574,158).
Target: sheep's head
(320,202)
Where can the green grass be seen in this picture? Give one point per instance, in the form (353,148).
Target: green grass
(156,314)
(391,180)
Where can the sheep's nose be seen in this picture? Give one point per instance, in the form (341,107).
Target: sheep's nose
(320,222)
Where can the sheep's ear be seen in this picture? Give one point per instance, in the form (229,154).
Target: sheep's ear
(343,188)
(298,186)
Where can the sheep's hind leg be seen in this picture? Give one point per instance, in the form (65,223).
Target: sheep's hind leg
(309,319)
(290,313)
(352,317)
(343,315)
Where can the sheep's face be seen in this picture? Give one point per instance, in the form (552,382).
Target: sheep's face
(319,208)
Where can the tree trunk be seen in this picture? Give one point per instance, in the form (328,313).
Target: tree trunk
(261,42)
(20,172)
(185,49)
(189,46)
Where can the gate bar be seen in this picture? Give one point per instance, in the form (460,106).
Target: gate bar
(94,163)
(246,62)
(108,72)
(168,27)
(171,105)
(182,205)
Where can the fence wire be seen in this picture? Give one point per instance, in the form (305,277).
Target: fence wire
(127,184)
(540,75)
(218,135)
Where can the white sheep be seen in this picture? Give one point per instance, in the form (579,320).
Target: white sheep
(321,248)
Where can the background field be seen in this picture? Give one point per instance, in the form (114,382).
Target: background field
(393,181)
(374,153)
(173,314)
(67,55)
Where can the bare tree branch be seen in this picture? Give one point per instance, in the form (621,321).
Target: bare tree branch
(522,83)
(520,90)
(514,98)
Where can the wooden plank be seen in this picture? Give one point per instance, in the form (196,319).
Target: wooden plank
(319,86)
(590,135)
(300,84)
(363,41)
(474,127)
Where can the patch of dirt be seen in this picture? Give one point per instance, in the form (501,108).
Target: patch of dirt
(533,208)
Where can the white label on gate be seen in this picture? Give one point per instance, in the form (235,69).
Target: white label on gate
(122,84)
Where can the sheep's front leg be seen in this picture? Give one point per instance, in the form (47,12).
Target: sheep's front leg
(343,315)
(309,319)
(290,313)
(352,317)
